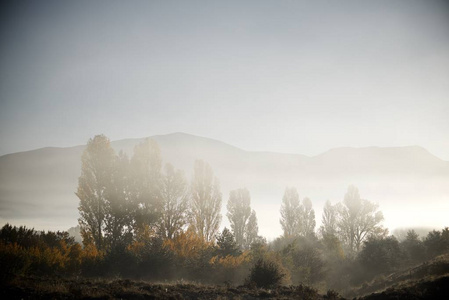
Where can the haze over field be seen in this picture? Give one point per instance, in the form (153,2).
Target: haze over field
(37,188)
(356,92)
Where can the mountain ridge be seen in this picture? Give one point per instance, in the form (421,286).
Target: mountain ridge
(183,134)
(38,186)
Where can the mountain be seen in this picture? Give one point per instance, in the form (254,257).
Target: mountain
(37,188)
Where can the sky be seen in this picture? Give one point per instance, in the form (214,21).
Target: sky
(284,76)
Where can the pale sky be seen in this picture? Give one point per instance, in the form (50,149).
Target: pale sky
(284,76)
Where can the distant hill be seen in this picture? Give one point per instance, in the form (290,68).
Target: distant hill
(37,187)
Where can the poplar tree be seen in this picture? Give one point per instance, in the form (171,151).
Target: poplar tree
(93,185)
(174,193)
(205,202)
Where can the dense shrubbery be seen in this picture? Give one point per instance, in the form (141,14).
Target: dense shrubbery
(265,274)
(310,261)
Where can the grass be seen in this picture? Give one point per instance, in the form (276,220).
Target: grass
(59,288)
(415,282)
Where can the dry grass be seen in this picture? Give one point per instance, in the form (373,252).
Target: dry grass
(58,288)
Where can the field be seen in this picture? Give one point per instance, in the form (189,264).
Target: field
(429,280)
(59,288)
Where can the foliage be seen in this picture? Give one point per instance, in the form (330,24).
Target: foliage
(175,202)
(265,274)
(96,177)
(118,207)
(26,251)
(358,219)
(329,220)
(304,259)
(413,248)
(307,217)
(205,201)
(243,221)
(437,242)
(145,183)
(289,212)
(380,255)
(226,244)
(297,219)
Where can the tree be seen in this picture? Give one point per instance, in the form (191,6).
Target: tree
(437,242)
(226,244)
(93,184)
(252,231)
(266,274)
(243,220)
(290,213)
(413,247)
(380,255)
(329,220)
(145,186)
(358,219)
(297,219)
(308,264)
(307,218)
(205,202)
(118,206)
(174,195)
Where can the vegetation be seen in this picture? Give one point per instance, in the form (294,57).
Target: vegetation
(140,222)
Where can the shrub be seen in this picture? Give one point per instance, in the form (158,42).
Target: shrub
(265,274)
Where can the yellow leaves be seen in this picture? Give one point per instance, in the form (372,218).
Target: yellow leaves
(91,252)
(144,236)
(231,262)
(187,245)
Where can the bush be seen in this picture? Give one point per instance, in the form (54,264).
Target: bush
(265,274)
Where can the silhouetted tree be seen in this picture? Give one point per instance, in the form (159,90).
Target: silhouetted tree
(96,178)
(437,242)
(174,194)
(307,218)
(118,206)
(226,244)
(252,231)
(358,219)
(296,219)
(205,202)
(413,247)
(238,214)
(243,221)
(380,255)
(329,220)
(290,210)
(308,263)
(265,274)
(145,186)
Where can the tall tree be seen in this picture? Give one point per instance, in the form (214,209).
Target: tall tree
(118,206)
(307,218)
(239,212)
(145,174)
(205,201)
(329,220)
(252,231)
(290,210)
(95,180)
(174,195)
(226,244)
(358,219)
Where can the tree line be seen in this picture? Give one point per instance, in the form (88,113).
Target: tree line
(142,219)
(121,196)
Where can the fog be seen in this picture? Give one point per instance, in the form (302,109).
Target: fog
(249,99)
(409,183)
